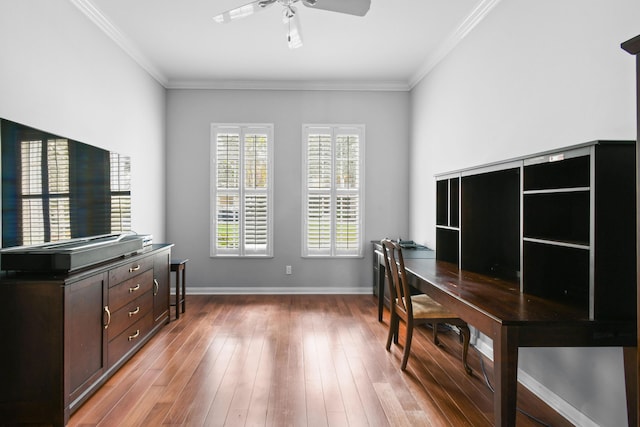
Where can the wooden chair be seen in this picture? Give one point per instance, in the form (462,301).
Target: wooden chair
(415,309)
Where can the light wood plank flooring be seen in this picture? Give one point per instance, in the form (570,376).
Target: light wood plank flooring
(315,360)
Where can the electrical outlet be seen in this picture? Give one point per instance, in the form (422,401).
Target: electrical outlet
(288,270)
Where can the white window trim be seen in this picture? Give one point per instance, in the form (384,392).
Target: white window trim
(333,252)
(243,129)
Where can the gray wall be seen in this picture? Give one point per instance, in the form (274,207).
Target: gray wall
(189,116)
(534,75)
(61,74)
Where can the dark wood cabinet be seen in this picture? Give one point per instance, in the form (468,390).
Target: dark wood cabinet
(65,335)
(561,224)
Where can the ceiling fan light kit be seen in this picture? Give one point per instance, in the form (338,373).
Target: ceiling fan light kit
(290,16)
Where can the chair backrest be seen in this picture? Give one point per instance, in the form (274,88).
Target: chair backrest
(397,277)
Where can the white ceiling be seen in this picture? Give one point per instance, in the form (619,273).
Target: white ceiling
(391,48)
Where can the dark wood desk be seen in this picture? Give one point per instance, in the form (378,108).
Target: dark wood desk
(419,251)
(512,319)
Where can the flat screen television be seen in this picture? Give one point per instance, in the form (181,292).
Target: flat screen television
(56,189)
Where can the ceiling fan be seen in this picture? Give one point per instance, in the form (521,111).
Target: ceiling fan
(289,13)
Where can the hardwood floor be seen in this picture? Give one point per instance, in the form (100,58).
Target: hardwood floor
(299,360)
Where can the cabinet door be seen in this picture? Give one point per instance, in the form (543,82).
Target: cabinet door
(32,353)
(161,285)
(85,338)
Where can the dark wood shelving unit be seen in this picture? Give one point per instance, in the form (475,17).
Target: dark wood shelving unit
(561,224)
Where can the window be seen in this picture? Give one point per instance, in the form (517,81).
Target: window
(333,190)
(242,190)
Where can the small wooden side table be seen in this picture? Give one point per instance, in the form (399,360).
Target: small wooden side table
(180,265)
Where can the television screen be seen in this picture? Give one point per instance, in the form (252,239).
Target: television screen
(55,188)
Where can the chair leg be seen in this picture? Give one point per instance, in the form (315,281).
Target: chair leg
(393,327)
(407,345)
(466,337)
(396,330)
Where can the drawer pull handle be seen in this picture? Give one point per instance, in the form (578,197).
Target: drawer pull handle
(106,310)
(136,311)
(136,268)
(135,288)
(134,336)
(156,287)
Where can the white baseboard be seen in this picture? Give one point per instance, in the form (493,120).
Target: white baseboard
(554,401)
(277,290)
(561,406)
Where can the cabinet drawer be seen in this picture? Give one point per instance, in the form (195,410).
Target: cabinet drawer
(127,291)
(130,270)
(129,314)
(129,338)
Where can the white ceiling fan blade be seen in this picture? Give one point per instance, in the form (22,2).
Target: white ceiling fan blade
(294,33)
(242,11)
(351,7)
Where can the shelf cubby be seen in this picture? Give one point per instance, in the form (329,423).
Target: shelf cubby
(558,172)
(447,206)
(557,216)
(448,244)
(490,223)
(558,273)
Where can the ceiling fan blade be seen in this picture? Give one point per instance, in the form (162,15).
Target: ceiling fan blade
(351,7)
(242,11)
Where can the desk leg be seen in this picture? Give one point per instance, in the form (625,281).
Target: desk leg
(505,367)
(631,382)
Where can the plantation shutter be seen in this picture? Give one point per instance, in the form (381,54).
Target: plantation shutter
(319,165)
(242,190)
(333,190)
(227,210)
(347,193)
(256,161)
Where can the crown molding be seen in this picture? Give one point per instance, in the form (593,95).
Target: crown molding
(481,10)
(102,22)
(391,86)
